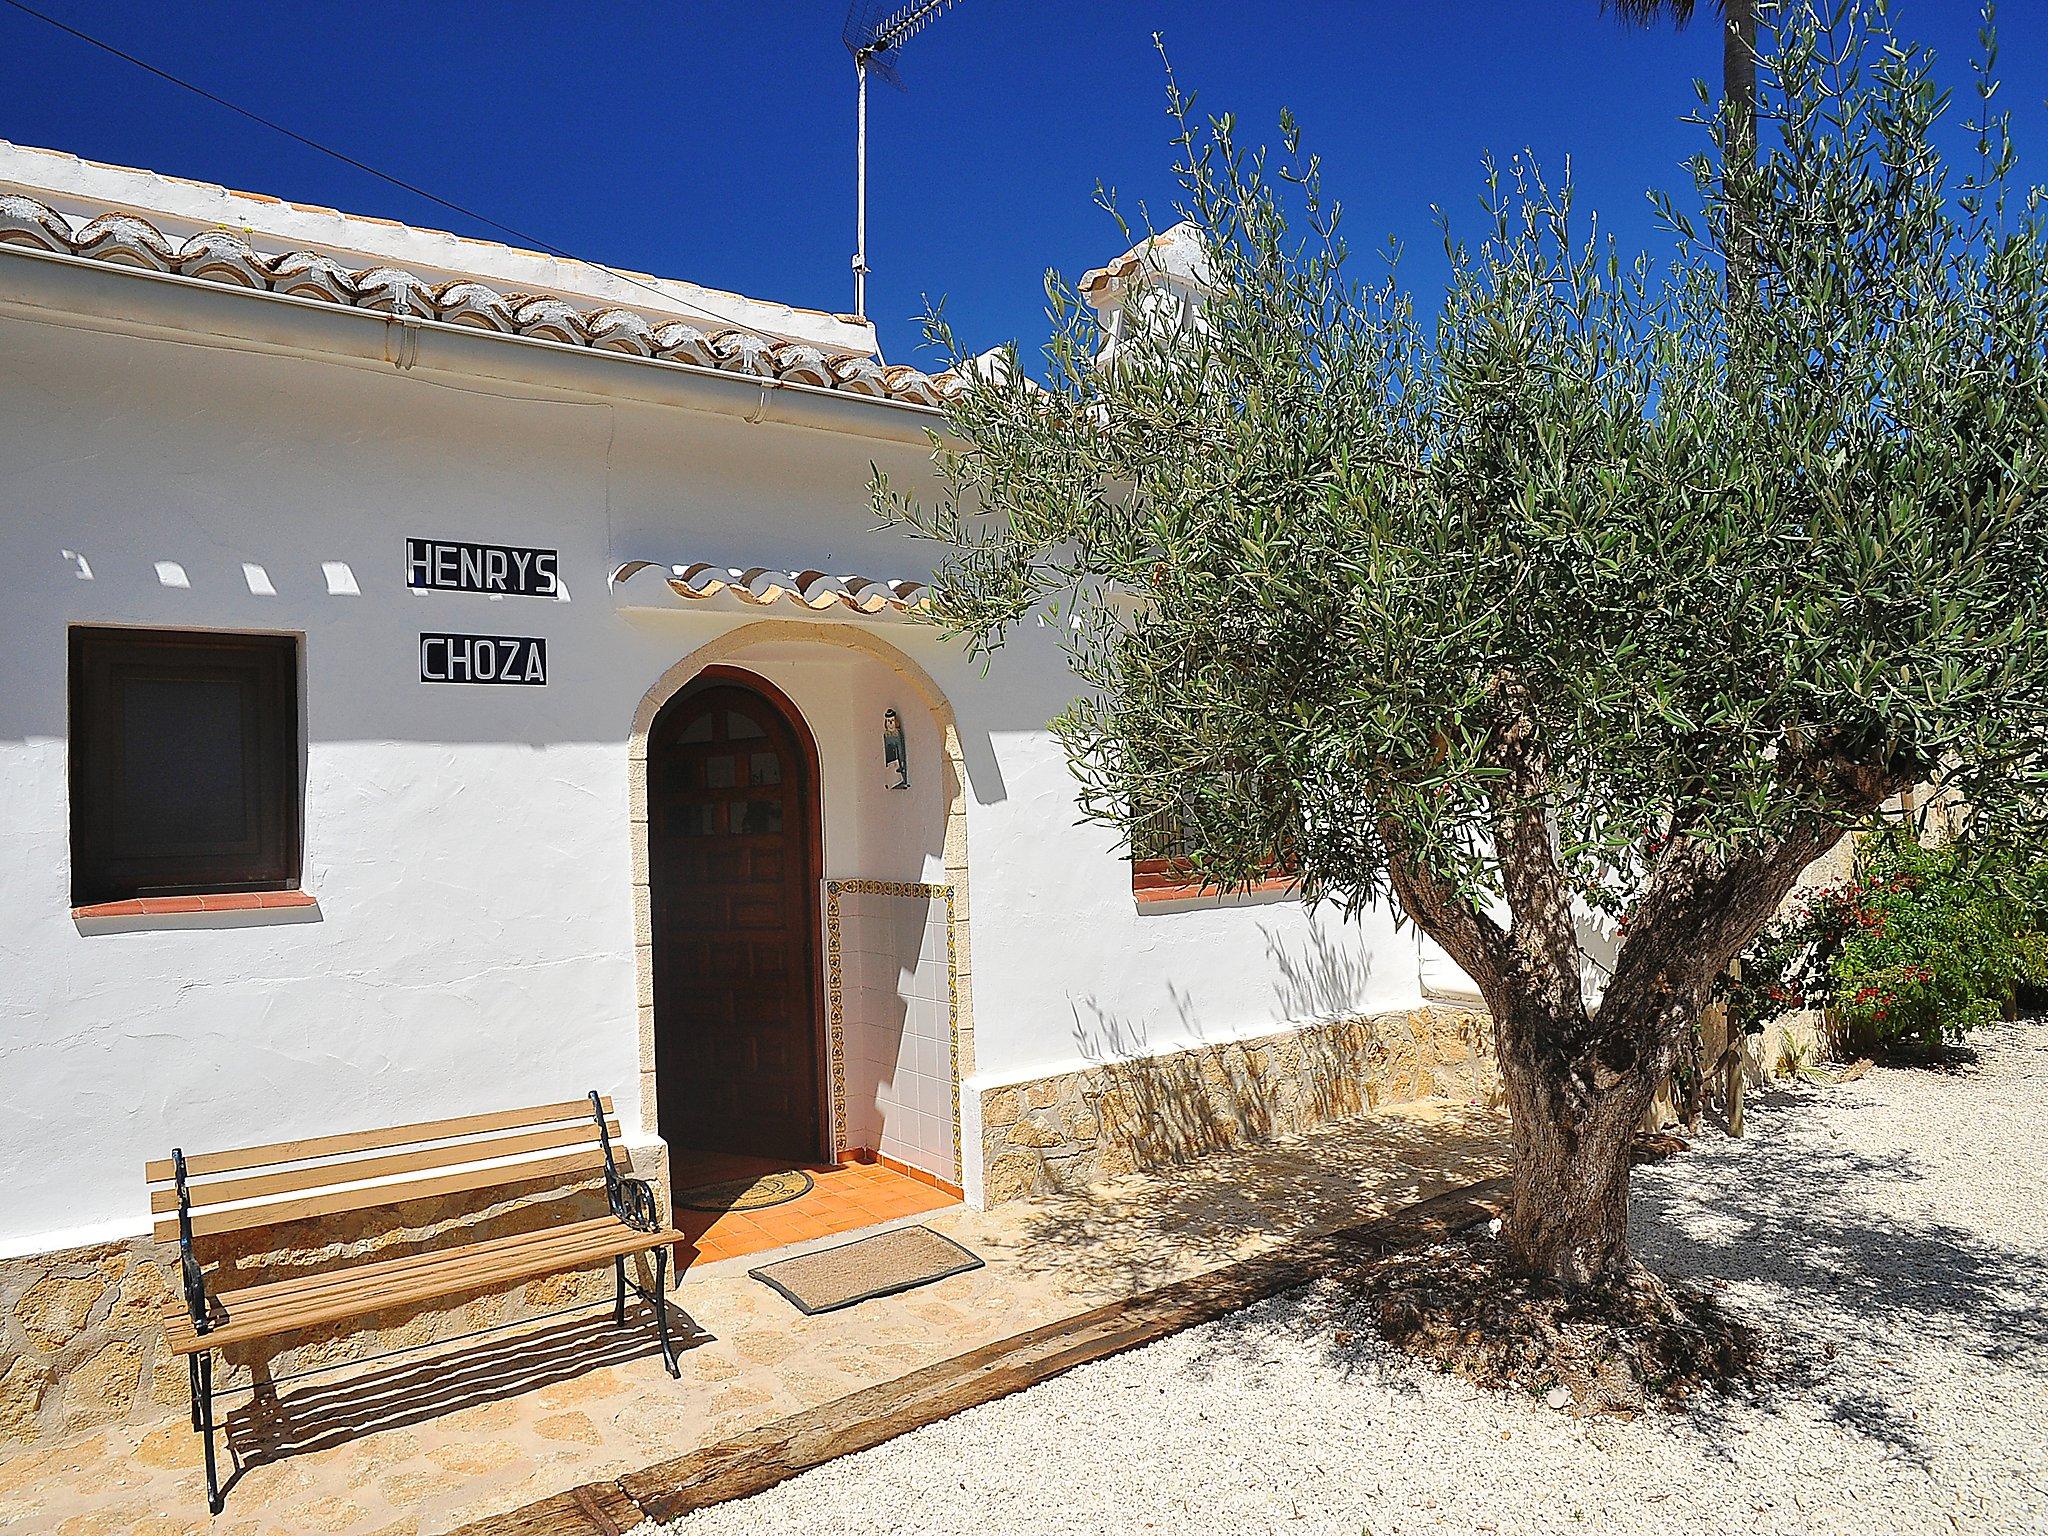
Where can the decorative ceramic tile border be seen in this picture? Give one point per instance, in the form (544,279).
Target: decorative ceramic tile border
(836,994)
(835,1020)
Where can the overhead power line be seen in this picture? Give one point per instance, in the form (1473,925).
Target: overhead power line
(532,241)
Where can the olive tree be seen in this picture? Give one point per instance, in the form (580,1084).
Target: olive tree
(1601,588)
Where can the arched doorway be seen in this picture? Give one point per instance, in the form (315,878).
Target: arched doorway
(733,875)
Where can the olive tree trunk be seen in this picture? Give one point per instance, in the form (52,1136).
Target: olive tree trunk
(1567,1214)
(1578,1079)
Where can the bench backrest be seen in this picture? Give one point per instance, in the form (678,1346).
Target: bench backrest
(363,1170)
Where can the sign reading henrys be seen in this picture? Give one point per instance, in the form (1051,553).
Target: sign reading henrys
(445,565)
(516,659)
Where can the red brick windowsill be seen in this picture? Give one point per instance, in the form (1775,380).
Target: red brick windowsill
(167,906)
(1171,880)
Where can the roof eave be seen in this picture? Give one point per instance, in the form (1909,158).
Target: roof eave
(55,287)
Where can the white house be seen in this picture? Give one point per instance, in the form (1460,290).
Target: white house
(442,677)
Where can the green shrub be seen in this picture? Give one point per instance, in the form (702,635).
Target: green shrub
(1923,945)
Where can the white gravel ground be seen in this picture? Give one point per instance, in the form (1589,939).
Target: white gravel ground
(1900,1222)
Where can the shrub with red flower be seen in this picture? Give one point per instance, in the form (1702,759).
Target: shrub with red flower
(1921,945)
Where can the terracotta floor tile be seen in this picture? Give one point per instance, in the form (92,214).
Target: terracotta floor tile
(842,1200)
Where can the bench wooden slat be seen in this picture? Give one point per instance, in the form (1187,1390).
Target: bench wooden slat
(370,1284)
(237,1159)
(354,1170)
(510,1262)
(283,1314)
(313,1281)
(244,1217)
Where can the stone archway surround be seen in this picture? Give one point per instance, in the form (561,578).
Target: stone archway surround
(730,648)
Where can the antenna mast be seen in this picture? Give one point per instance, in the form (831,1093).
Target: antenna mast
(875,31)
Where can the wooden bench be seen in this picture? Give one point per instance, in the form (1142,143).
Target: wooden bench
(209,1193)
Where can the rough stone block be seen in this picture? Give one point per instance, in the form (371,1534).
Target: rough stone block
(1001,1107)
(54,1311)
(145,1292)
(170,1385)
(1034,1131)
(102,1390)
(21,1399)
(1014,1176)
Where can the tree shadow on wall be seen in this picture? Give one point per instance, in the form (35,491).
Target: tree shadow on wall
(1130,1234)
(1159,1110)
(1321,980)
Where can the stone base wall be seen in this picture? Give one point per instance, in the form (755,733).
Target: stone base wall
(81,1332)
(1065,1132)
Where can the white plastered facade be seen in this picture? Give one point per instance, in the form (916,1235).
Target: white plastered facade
(477,855)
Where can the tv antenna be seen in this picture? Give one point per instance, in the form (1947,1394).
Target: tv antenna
(876,31)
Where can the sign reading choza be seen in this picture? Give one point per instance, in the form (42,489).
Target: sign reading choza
(497,570)
(504,570)
(521,660)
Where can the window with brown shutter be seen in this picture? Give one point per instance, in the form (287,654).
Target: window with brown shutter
(184,763)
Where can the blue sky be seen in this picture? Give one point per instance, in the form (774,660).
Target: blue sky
(714,140)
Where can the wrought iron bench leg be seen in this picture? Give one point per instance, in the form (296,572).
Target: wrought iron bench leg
(202,1420)
(668,1350)
(619,1305)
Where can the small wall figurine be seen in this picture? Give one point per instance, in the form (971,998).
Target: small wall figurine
(894,757)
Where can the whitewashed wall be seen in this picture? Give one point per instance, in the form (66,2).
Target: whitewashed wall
(469,847)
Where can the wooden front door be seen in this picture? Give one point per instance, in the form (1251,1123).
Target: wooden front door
(732,839)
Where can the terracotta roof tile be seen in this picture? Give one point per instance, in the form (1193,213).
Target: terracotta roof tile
(763,588)
(225,258)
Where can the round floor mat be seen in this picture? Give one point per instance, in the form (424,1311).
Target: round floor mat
(755,1194)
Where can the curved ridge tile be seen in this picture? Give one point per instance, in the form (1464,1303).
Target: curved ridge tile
(906,383)
(681,342)
(621,330)
(394,291)
(551,319)
(739,351)
(860,376)
(475,304)
(873,596)
(762,588)
(221,257)
(123,240)
(26,222)
(224,257)
(308,275)
(796,363)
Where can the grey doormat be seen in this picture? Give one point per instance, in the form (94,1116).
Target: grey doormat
(859,1271)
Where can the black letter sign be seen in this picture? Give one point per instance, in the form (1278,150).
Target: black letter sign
(516,659)
(442,566)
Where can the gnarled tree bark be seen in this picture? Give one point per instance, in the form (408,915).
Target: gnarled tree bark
(1577,1081)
